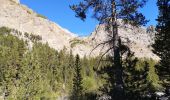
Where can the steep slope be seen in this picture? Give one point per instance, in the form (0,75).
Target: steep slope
(17,16)
(139,39)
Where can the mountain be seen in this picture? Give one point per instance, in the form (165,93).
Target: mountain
(20,17)
(17,16)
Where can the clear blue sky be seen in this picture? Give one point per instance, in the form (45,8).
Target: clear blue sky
(59,12)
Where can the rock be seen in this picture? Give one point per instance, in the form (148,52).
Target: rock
(24,19)
(17,16)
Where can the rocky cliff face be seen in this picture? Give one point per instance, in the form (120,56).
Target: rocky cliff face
(20,17)
(17,16)
(139,39)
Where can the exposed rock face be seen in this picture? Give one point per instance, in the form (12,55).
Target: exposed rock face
(24,19)
(138,39)
(20,17)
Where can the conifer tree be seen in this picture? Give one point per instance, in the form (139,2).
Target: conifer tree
(162,41)
(11,53)
(70,69)
(108,12)
(77,81)
(137,77)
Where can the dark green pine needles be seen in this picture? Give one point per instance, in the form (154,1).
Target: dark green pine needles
(162,41)
(77,81)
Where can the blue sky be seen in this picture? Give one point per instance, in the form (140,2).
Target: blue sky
(59,12)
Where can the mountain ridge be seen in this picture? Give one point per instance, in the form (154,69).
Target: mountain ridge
(18,16)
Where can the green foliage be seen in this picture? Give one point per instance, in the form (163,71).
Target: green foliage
(41,16)
(139,77)
(4,30)
(32,37)
(44,73)
(26,75)
(76,41)
(107,12)
(77,92)
(18,33)
(29,12)
(152,75)
(89,84)
(162,41)
(104,11)
(137,83)
(11,52)
(35,37)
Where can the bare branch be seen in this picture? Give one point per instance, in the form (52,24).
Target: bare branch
(103,56)
(103,43)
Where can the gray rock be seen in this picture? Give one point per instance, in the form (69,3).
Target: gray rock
(20,17)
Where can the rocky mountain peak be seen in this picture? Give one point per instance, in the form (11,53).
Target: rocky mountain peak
(19,17)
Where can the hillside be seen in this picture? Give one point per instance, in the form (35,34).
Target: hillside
(39,61)
(17,16)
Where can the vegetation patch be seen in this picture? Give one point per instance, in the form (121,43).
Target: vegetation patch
(5,30)
(76,41)
(29,12)
(42,16)
(90,84)
(32,37)
(47,72)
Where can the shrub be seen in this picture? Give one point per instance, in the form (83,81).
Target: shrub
(76,41)
(89,84)
(4,30)
(42,16)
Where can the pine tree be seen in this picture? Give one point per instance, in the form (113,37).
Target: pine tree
(77,81)
(162,41)
(34,81)
(70,69)
(107,12)
(11,52)
(136,77)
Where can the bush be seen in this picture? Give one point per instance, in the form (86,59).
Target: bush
(76,41)
(89,84)
(4,30)
(42,16)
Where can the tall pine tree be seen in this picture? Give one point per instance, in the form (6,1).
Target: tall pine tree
(77,81)
(162,41)
(108,12)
